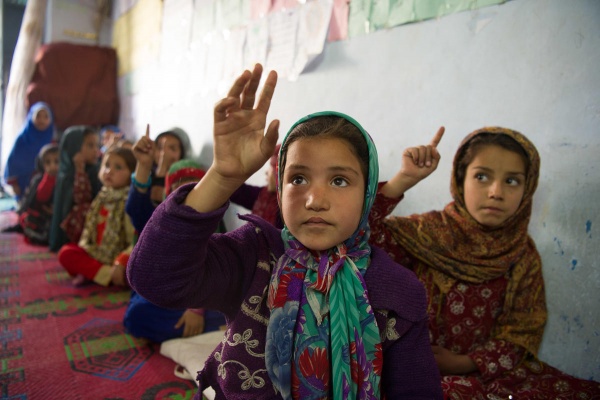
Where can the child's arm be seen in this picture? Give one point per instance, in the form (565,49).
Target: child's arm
(417,164)
(241,146)
(143,150)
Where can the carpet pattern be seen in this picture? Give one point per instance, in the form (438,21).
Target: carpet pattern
(65,342)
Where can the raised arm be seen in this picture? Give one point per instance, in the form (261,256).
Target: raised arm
(417,164)
(241,145)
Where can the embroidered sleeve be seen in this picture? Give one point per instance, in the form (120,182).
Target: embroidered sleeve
(497,357)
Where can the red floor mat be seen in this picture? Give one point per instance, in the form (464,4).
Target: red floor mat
(62,342)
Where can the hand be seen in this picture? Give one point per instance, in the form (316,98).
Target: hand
(143,150)
(241,145)
(79,161)
(193,324)
(417,164)
(450,363)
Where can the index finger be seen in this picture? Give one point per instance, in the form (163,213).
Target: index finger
(438,136)
(147,130)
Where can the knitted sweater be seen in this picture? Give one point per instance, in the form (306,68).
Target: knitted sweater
(177,263)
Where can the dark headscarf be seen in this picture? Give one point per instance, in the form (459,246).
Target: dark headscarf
(70,144)
(21,160)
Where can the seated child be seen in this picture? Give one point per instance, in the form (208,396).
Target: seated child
(37,131)
(262,200)
(144,319)
(36,208)
(480,267)
(107,230)
(77,183)
(313,311)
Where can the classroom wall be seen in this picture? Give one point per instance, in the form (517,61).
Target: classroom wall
(531,65)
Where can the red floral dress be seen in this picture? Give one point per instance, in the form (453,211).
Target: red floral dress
(463,321)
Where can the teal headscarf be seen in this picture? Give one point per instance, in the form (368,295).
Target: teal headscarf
(322,337)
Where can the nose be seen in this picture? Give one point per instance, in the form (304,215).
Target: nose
(316,198)
(496,190)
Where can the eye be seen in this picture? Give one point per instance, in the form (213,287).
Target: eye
(513,181)
(298,180)
(480,176)
(339,181)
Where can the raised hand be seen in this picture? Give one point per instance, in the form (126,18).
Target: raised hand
(143,150)
(417,164)
(241,146)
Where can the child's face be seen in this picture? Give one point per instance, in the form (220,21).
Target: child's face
(90,148)
(50,163)
(109,137)
(168,149)
(323,190)
(494,185)
(41,121)
(114,172)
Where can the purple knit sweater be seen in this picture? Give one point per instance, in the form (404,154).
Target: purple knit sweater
(179,263)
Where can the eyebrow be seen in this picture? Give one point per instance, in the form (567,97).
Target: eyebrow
(335,168)
(486,169)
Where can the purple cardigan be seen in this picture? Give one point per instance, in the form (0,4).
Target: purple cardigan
(178,263)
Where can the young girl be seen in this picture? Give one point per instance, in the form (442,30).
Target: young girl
(36,208)
(77,183)
(37,131)
(312,310)
(107,230)
(481,269)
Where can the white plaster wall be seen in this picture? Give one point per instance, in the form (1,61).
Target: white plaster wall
(531,65)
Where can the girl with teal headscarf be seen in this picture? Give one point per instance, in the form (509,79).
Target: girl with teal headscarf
(313,310)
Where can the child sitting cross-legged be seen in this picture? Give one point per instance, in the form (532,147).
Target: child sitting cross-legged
(107,230)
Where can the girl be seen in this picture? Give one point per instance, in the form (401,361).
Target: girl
(37,131)
(107,230)
(36,207)
(77,183)
(481,269)
(312,310)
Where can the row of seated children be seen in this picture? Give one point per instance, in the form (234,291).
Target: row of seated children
(319,305)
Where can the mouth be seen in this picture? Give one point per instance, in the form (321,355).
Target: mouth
(316,221)
(492,210)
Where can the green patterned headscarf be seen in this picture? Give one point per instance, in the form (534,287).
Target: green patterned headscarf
(322,337)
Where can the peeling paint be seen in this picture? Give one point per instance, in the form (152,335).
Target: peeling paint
(560,250)
(588,228)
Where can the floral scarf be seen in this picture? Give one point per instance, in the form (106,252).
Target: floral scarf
(310,351)
(453,247)
(113,238)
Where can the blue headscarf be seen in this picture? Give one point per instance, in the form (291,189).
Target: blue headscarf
(21,160)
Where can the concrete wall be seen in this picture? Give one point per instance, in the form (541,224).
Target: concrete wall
(531,65)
